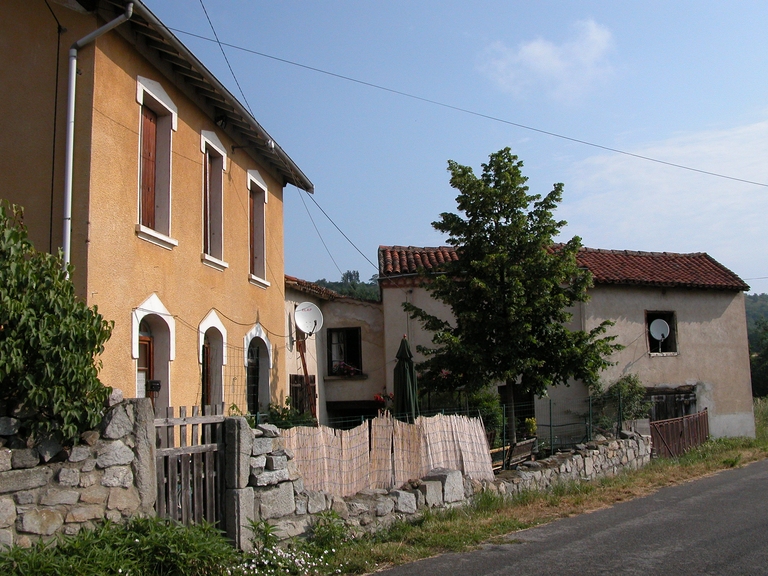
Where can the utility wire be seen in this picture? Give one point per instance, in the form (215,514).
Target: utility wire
(470,112)
(221,47)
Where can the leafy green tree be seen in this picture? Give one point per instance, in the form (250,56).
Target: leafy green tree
(509,291)
(49,340)
(759,360)
(350,285)
(756,307)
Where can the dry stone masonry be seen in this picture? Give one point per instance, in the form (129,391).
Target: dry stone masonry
(50,490)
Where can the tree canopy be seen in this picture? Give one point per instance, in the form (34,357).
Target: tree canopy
(49,341)
(350,285)
(510,289)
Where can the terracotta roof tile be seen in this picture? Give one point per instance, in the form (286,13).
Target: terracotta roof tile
(312,288)
(626,267)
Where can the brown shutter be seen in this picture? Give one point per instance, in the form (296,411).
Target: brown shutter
(252,219)
(207,203)
(148,166)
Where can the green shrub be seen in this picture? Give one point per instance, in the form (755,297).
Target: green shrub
(49,340)
(144,546)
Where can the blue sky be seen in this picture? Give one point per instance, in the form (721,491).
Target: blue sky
(683,82)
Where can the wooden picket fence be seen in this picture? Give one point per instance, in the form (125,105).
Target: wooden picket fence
(386,453)
(190,465)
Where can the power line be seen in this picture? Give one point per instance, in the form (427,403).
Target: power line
(470,112)
(221,47)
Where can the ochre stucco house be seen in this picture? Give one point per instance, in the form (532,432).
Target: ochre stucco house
(177,199)
(345,358)
(703,363)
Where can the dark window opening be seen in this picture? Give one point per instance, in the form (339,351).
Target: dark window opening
(303,396)
(672,405)
(252,388)
(662,344)
(345,357)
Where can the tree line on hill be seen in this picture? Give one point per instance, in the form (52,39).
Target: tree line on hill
(757,331)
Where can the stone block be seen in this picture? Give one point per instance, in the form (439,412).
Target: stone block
(117,476)
(119,422)
(95,494)
(271,477)
(79,453)
(258,463)
(405,501)
(276,462)
(7,512)
(239,446)
(316,502)
(115,397)
(278,501)
(88,465)
(339,506)
(433,493)
(239,510)
(48,449)
(88,479)
(18,480)
(69,476)
(115,453)
(302,504)
(90,437)
(84,513)
(8,426)
(53,497)
(5,459)
(420,500)
(42,522)
(262,446)
(144,464)
(6,538)
(124,499)
(451,481)
(385,506)
(24,458)
(291,528)
(269,430)
(298,485)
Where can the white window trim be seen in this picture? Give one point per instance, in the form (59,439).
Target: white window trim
(256,332)
(158,97)
(210,140)
(152,305)
(155,237)
(214,263)
(255,177)
(211,320)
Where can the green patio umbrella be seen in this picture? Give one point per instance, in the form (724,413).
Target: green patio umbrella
(406,402)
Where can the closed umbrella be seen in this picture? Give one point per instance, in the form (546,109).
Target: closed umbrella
(406,403)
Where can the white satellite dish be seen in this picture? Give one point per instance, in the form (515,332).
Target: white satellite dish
(309,319)
(659,329)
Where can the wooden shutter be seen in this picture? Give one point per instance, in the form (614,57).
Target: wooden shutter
(207,203)
(252,219)
(148,166)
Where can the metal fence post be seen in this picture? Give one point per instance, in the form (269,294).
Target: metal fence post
(621,415)
(551,431)
(589,423)
(504,437)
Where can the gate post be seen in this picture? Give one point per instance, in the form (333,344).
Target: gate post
(144,463)
(238,497)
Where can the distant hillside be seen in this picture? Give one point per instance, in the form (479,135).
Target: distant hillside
(757,309)
(350,285)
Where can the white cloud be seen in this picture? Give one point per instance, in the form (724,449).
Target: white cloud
(565,72)
(619,202)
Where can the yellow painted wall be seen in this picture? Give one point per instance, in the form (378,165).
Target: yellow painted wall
(115,269)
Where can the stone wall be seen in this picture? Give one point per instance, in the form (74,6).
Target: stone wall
(50,490)
(268,485)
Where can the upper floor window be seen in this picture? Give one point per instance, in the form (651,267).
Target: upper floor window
(214,165)
(661,328)
(258,196)
(158,122)
(345,352)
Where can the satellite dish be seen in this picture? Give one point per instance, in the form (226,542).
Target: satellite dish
(659,329)
(309,319)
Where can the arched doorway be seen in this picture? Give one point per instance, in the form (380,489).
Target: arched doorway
(253,373)
(212,361)
(152,362)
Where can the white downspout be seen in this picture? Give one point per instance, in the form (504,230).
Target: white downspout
(70,141)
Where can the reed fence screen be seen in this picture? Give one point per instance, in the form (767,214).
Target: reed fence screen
(386,453)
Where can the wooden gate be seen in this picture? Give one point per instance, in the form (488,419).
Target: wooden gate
(671,438)
(190,465)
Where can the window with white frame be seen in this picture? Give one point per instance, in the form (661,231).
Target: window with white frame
(257,205)
(214,165)
(661,327)
(158,121)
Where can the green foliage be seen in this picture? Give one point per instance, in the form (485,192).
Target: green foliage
(287,416)
(759,360)
(756,307)
(328,531)
(509,291)
(627,392)
(143,546)
(48,340)
(350,285)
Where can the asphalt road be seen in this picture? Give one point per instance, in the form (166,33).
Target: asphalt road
(715,525)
